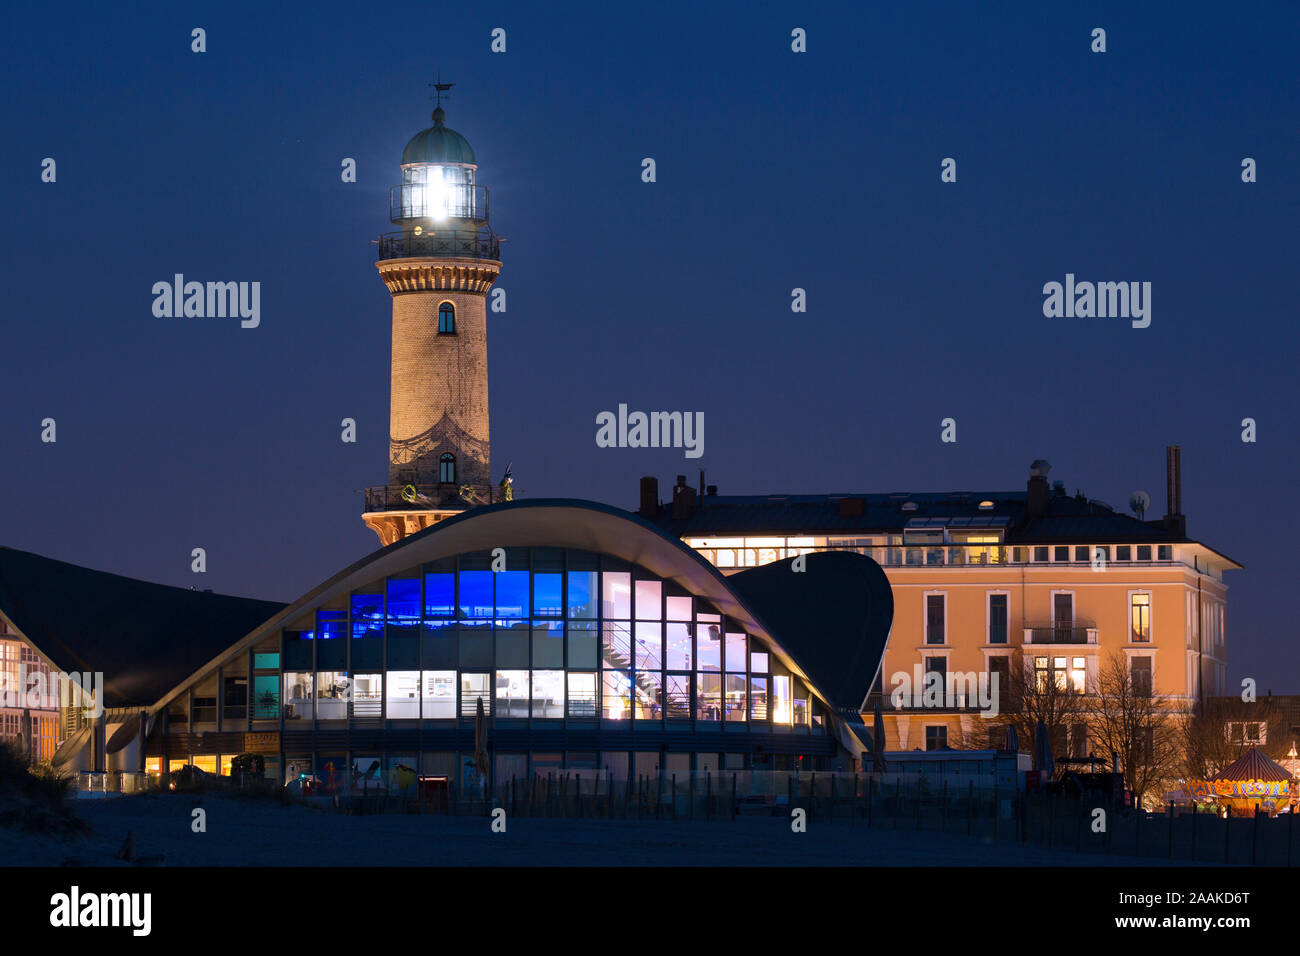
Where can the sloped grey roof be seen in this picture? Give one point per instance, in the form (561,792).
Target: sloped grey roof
(144,637)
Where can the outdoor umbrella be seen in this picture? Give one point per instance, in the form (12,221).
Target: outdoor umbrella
(480,740)
(1043,750)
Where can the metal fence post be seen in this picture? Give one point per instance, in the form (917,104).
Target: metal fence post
(1254,838)
(1227,830)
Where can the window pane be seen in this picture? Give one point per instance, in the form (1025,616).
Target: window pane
(997,618)
(473,688)
(333,688)
(1141,615)
(616,698)
(548,644)
(735,651)
(548,694)
(511,643)
(512,694)
(708,697)
(546,595)
(331,624)
(709,652)
(266,697)
(616,644)
(648,695)
(404,600)
(582,594)
(367,695)
(438,698)
(758,662)
(512,594)
(648,597)
(582,695)
(403,695)
(475,594)
(679,608)
(440,594)
(781,703)
(582,644)
(367,615)
(735,697)
(616,595)
(934,619)
(679,696)
(679,646)
(297,695)
(649,646)
(758,698)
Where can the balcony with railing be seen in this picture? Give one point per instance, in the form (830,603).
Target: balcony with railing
(1072,632)
(734,556)
(431,497)
(440,244)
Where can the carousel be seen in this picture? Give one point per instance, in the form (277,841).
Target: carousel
(1252,780)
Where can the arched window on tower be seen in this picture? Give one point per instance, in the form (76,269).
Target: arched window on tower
(447,469)
(446,319)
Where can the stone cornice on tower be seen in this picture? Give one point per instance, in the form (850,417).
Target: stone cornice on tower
(438,275)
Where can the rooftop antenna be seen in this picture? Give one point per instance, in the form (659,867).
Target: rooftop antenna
(1139,501)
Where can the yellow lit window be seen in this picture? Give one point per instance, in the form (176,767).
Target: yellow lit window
(1141,618)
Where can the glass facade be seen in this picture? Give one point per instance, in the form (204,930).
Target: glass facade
(566,641)
(575,639)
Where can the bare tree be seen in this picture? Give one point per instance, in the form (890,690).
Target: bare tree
(1209,744)
(1135,726)
(1031,696)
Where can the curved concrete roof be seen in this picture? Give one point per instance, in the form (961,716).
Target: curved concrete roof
(591,526)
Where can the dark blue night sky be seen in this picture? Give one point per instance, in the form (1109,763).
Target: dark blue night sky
(775,170)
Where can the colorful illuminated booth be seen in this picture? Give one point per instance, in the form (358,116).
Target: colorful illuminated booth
(1252,780)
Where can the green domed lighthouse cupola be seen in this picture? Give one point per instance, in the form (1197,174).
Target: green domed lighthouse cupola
(439,268)
(438,204)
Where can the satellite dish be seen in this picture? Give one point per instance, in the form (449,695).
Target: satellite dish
(1139,501)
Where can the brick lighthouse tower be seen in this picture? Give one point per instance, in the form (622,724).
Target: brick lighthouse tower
(438,267)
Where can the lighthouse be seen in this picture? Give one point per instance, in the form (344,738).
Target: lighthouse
(438,267)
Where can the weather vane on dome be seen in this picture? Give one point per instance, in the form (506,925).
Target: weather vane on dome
(440,88)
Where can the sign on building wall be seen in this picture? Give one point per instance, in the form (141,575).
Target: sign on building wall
(262,743)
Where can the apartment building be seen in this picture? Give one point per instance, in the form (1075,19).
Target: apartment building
(1060,581)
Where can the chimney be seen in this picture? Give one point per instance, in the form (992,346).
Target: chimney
(649,497)
(1174,519)
(683,499)
(1036,492)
